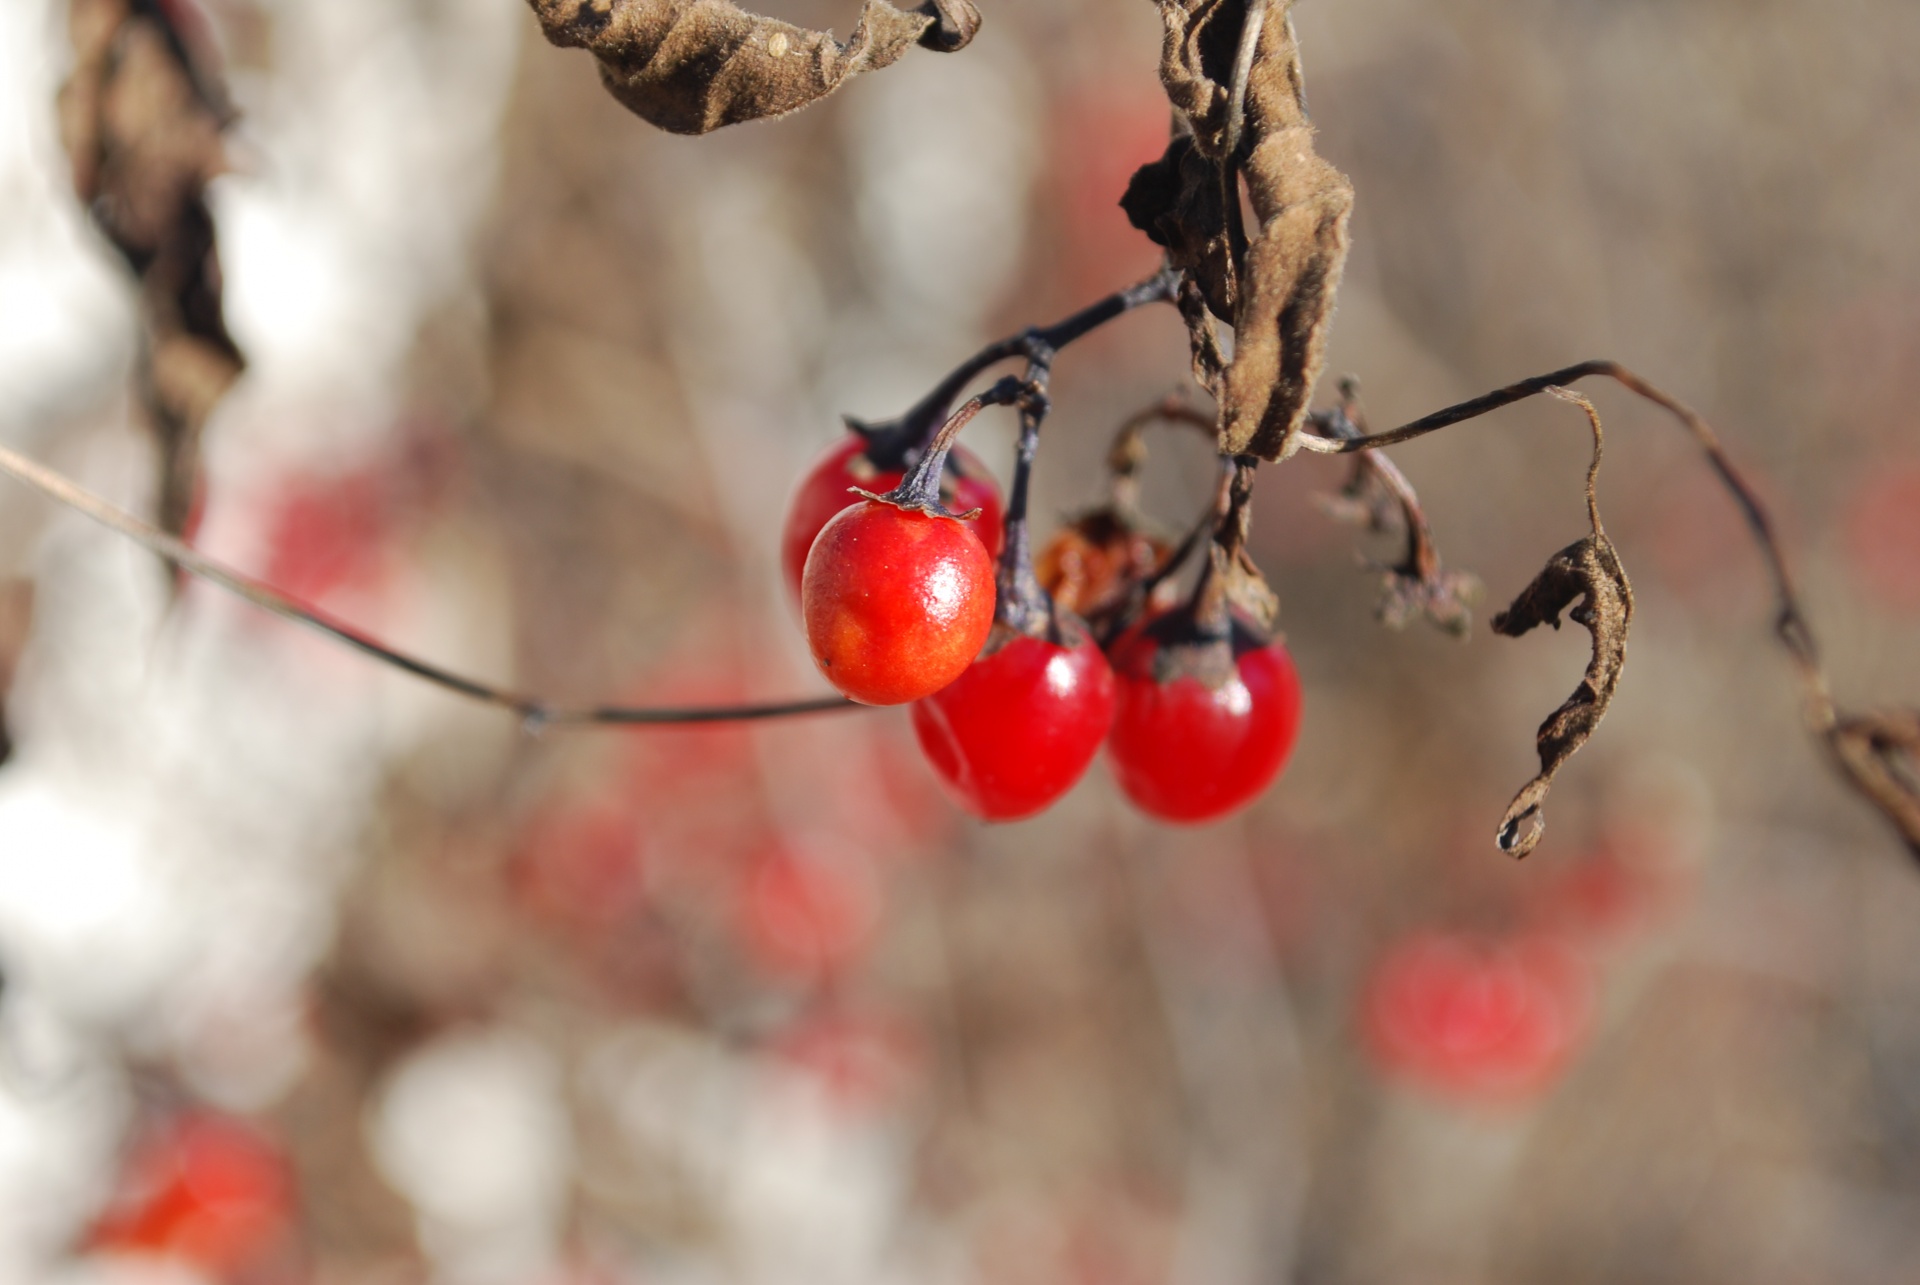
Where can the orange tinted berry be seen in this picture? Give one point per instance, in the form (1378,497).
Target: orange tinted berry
(897,602)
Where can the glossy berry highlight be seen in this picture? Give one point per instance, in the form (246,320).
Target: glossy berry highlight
(1192,745)
(1019,727)
(826,490)
(897,602)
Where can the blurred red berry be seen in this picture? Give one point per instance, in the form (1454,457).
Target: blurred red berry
(330,533)
(1883,536)
(204,1189)
(1101,135)
(581,864)
(1478,1019)
(805,913)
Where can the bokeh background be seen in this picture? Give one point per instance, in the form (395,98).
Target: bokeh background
(315,974)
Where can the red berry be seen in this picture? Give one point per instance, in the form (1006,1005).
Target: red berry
(1187,745)
(204,1189)
(897,602)
(1481,1019)
(331,534)
(809,912)
(1018,728)
(823,492)
(1883,536)
(582,865)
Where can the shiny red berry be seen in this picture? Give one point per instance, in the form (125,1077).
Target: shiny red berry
(823,492)
(1192,741)
(1018,728)
(897,602)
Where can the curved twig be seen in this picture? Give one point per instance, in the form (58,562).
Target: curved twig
(1873,752)
(898,438)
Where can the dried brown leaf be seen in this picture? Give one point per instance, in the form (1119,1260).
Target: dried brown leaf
(142,127)
(1588,570)
(1247,110)
(1444,598)
(1176,201)
(692,66)
(1880,756)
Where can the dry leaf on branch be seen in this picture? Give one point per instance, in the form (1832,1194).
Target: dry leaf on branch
(1588,570)
(692,66)
(1232,69)
(142,126)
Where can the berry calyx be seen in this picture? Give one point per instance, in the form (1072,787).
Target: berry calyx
(1201,725)
(850,463)
(897,602)
(1019,727)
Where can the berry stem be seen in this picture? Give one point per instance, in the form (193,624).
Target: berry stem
(1128,454)
(1233,515)
(1347,422)
(1021,604)
(920,488)
(894,443)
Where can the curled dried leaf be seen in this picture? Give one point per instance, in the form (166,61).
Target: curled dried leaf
(1588,570)
(1232,68)
(1880,756)
(142,126)
(692,66)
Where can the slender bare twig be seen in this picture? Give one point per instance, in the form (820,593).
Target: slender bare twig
(909,433)
(536,711)
(1418,584)
(1874,752)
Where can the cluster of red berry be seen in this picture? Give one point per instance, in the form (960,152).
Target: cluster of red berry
(1013,691)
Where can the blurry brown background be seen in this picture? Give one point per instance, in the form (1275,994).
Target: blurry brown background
(529,384)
